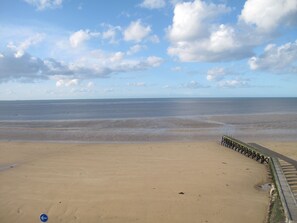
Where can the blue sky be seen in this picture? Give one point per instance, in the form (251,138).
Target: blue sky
(75,49)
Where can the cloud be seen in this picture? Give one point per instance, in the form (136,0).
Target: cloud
(222,45)
(137,84)
(194,37)
(67,83)
(233,83)
(75,85)
(95,64)
(136,31)
(282,59)
(154,61)
(78,38)
(267,15)
(45,4)
(216,74)
(135,49)
(116,57)
(153,4)
(219,75)
(191,20)
(223,39)
(25,68)
(193,85)
(23,46)
(111,33)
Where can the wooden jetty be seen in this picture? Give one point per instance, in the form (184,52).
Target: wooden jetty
(244,149)
(283,170)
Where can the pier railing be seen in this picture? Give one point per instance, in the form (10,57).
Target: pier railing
(244,149)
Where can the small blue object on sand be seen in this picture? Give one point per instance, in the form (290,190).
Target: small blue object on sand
(43,218)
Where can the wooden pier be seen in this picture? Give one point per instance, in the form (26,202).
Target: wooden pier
(283,170)
(244,149)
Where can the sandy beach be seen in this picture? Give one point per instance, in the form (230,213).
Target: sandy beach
(157,182)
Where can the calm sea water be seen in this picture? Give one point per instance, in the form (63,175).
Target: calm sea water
(141,108)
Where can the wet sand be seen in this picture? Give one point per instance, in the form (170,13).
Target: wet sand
(252,127)
(118,183)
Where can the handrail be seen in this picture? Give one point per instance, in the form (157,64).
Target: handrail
(244,148)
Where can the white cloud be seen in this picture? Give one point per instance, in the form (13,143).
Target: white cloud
(153,4)
(221,45)
(45,4)
(194,37)
(154,61)
(17,62)
(267,15)
(76,86)
(135,49)
(193,85)
(233,83)
(223,39)
(136,31)
(190,20)
(23,46)
(1,55)
(282,59)
(78,38)
(137,84)
(219,75)
(116,57)
(216,74)
(67,82)
(111,33)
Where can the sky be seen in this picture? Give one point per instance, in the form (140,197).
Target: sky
(75,49)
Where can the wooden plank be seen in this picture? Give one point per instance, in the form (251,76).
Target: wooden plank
(284,190)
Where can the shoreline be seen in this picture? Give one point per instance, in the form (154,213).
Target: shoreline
(246,127)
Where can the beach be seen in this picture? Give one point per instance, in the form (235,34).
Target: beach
(154,160)
(149,182)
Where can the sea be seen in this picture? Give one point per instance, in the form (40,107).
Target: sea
(141,108)
(147,120)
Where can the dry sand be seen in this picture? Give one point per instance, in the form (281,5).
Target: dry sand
(122,183)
